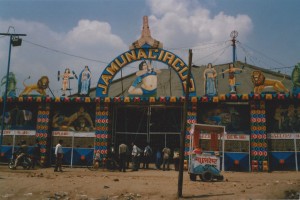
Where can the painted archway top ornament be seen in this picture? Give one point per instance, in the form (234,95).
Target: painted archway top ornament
(145,48)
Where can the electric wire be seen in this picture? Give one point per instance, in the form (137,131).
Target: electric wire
(68,54)
(210,54)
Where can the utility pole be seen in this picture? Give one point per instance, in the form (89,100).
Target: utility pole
(184,127)
(234,35)
(14,40)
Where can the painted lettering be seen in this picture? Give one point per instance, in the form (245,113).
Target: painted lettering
(142,54)
(161,54)
(130,56)
(180,73)
(104,87)
(121,64)
(170,57)
(151,56)
(113,68)
(177,64)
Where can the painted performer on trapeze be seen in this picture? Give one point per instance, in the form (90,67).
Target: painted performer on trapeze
(66,77)
(147,76)
(232,70)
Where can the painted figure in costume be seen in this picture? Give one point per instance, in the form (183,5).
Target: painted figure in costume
(231,76)
(146,75)
(81,120)
(65,80)
(84,81)
(209,76)
(11,87)
(296,78)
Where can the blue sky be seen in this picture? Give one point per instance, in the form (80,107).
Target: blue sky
(75,33)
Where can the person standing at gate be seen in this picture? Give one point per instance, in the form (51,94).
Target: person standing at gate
(158,158)
(59,156)
(36,154)
(147,156)
(136,152)
(166,158)
(122,157)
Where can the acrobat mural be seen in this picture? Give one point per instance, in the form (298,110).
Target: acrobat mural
(78,121)
(147,76)
(66,77)
(232,70)
(84,82)
(296,78)
(39,87)
(210,84)
(287,118)
(17,117)
(11,86)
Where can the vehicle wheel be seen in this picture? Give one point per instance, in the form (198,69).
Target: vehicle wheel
(207,176)
(193,177)
(220,178)
(201,177)
(11,165)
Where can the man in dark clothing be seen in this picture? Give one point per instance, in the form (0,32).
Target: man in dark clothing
(147,156)
(122,155)
(36,154)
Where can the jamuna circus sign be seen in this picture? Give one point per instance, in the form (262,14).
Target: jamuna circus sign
(133,55)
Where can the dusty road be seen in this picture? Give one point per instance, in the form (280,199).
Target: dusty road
(81,183)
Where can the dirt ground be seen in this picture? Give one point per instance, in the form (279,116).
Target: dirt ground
(81,184)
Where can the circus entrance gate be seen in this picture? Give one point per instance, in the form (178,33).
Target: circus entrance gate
(77,146)
(158,124)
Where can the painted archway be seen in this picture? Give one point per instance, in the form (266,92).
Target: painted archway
(161,55)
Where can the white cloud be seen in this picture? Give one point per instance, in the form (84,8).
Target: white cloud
(89,39)
(187,24)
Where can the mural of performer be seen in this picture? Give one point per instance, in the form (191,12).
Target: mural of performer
(18,117)
(66,76)
(209,76)
(81,120)
(286,118)
(84,82)
(78,121)
(146,75)
(231,76)
(11,87)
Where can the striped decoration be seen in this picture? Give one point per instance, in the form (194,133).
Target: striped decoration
(42,129)
(258,137)
(102,129)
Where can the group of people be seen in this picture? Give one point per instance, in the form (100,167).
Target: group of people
(144,156)
(136,155)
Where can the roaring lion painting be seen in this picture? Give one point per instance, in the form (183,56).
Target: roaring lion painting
(40,86)
(261,82)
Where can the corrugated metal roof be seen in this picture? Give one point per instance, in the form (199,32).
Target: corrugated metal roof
(169,84)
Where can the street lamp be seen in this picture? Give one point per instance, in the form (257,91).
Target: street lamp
(13,41)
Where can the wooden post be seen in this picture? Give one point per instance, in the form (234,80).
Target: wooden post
(184,127)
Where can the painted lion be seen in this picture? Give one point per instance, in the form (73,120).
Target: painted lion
(40,86)
(261,82)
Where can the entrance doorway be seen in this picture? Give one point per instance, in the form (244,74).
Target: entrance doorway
(160,125)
